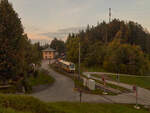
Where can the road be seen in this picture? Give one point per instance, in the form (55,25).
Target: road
(62,90)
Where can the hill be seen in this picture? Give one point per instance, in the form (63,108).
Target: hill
(117,46)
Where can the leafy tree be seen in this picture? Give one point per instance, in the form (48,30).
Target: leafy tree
(58,45)
(72,49)
(125,58)
(96,54)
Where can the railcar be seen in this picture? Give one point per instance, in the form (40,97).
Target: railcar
(67,66)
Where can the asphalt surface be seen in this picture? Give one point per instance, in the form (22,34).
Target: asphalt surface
(63,90)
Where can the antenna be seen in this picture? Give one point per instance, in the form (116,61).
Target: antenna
(109,15)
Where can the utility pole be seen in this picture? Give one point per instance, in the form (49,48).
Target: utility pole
(109,15)
(79,60)
(79,71)
(106,40)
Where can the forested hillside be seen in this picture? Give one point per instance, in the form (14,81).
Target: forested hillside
(117,46)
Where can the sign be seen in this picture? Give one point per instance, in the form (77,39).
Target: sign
(103,79)
(134,88)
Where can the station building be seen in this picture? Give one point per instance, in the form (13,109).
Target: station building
(48,53)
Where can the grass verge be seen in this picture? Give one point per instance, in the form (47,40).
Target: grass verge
(66,107)
(42,78)
(27,104)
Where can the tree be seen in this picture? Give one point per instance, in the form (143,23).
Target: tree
(11,32)
(58,45)
(96,55)
(16,51)
(123,40)
(72,48)
(125,58)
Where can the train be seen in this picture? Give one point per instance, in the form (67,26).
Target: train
(66,66)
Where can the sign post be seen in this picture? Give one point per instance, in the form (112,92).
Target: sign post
(135,89)
(103,79)
(118,77)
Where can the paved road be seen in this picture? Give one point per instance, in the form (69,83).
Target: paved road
(62,90)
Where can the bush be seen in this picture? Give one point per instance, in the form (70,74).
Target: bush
(23,103)
(42,78)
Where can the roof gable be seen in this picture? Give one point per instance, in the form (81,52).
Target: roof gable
(49,49)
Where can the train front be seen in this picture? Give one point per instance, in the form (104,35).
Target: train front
(72,67)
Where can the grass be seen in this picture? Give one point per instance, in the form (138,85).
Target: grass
(114,86)
(19,104)
(27,104)
(42,79)
(66,107)
(132,80)
(11,89)
(9,110)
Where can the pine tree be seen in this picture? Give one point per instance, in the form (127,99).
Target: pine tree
(11,32)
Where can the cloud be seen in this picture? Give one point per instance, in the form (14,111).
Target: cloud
(39,38)
(62,33)
(49,36)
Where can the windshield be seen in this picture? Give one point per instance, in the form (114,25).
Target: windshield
(72,66)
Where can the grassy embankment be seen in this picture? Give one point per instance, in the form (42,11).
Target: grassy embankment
(27,104)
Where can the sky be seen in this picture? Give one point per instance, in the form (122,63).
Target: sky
(45,19)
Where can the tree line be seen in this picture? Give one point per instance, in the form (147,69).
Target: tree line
(118,46)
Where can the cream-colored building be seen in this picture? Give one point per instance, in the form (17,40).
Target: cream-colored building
(48,53)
